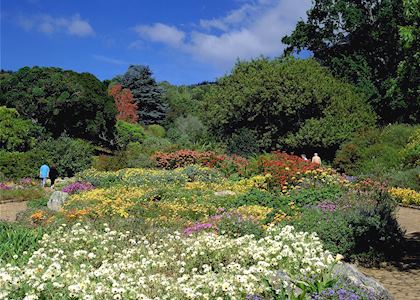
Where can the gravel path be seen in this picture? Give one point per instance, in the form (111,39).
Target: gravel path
(403,281)
(8,211)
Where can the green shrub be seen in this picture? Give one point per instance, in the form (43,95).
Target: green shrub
(127,133)
(154,144)
(16,133)
(69,155)
(156,131)
(409,178)
(18,164)
(109,162)
(287,102)
(234,225)
(136,156)
(187,131)
(37,203)
(17,243)
(243,142)
(375,151)
(411,151)
(368,233)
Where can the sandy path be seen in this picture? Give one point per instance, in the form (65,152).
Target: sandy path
(8,211)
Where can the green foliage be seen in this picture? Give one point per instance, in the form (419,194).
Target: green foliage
(187,131)
(22,194)
(409,178)
(16,134)
(61,101)
(411,152)
(374,151)
(235,226)
(361,43)
(21,164)
(156,131)
(17,243)
(38,203)
(367,232)
(152,108)
(128,133)
(243,142)
(109,162)
(184,100)
(286,102)
(69,155)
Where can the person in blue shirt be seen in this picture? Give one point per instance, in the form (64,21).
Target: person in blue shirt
(44,172)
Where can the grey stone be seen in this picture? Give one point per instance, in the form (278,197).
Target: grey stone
(224,193)
(57,200)
(350,274)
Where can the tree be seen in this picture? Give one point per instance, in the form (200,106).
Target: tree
(128,133)
(61,101)
(287,103)
(360,42)
(147,94)
(124,101)
(16,134)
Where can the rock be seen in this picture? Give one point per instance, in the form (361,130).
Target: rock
(57,200)
(224,193)
(350,274)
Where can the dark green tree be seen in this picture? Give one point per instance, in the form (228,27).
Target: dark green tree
(360,42)
(61,101)
(152,108)
(287,103)
(16,133)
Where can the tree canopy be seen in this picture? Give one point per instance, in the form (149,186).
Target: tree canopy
(360,41)
(61,101)
(147,94)
(287,103)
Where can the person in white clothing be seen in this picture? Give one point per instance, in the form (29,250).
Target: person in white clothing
(316,159)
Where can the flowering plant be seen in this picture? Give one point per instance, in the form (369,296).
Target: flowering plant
(77,187)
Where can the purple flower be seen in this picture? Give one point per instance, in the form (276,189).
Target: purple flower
(26,181)
(197,227)
(326,206)
(77,187)
(4,186)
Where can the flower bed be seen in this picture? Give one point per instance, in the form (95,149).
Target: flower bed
(118,265)
(405,196)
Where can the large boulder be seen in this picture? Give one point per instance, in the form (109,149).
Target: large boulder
(353,276)
(57,200)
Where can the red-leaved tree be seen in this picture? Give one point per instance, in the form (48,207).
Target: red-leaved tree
(127,108)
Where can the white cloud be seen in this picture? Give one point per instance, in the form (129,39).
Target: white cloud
(109,60)
(49,25)
(254,29)
(159,32)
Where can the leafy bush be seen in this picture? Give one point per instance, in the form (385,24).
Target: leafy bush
(127,133)
(409,178)
(39,203)
(411,152)
(375,151)
(109,162)
(69,155)
(243,142)
(287,103)
(16,133)
(187,131)
(156,130)
(20,164)
(368,233)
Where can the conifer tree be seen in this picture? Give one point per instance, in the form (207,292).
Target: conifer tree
(124,101)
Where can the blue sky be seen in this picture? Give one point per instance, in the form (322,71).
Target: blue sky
(183,41)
